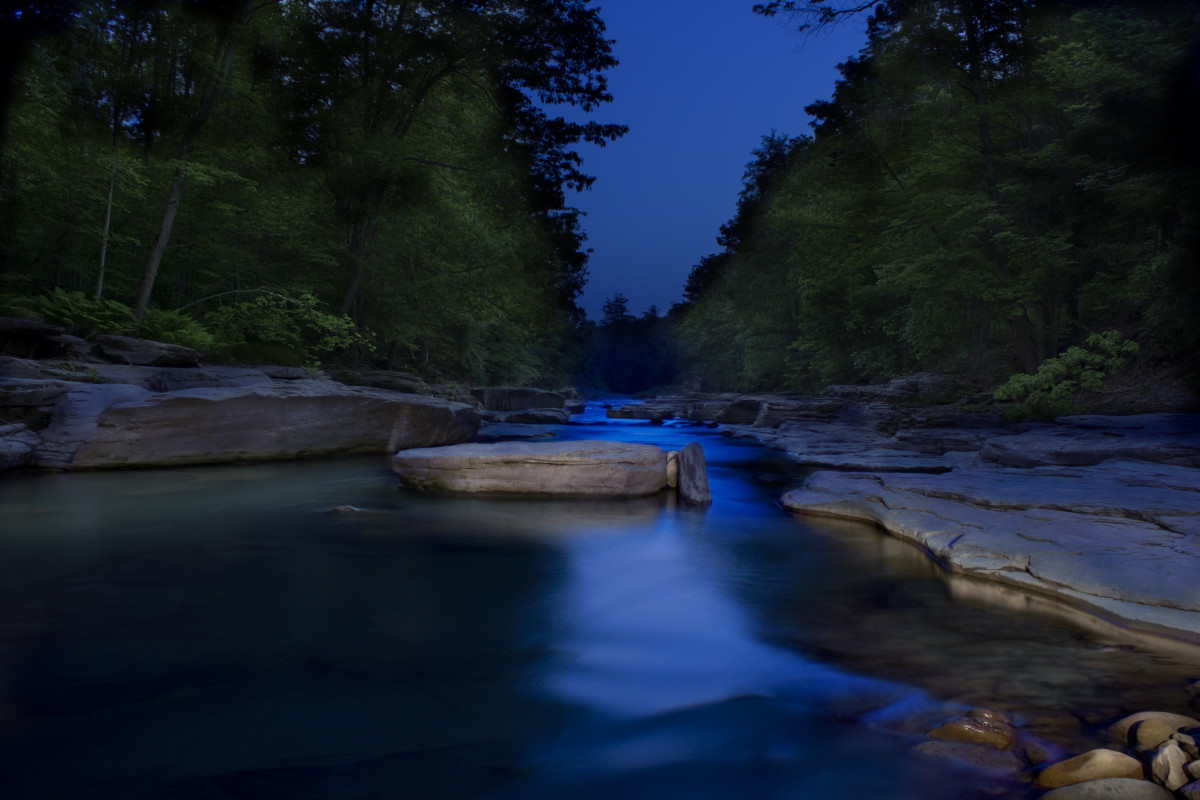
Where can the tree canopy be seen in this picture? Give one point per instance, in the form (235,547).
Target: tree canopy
(991,182)
(396,163)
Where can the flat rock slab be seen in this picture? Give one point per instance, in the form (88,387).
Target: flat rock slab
(597,469)
(1122,538)
(118,425)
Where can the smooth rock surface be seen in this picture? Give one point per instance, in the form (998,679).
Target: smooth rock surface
(693,476)
(982,757)
(143,352)
(1090,766)
(588,468)
(1118,540)
(119,425)
(1110,789)
(515,398)
(1122,730)
(996,734)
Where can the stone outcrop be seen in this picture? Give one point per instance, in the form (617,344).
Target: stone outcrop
(105,415)
(693,476)
(595,468)
(1102,512)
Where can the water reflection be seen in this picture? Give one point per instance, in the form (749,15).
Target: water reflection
(218,633)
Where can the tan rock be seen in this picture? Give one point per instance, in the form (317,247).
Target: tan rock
(994,733)
(1120,730)
(1110,789)
(1090,766)
(1149,734)
(1187,744)
(1167,766)
(1192,770)
(672,468)
(596,469)
(976,755)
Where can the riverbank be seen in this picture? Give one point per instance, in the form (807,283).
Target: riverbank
(1099,512)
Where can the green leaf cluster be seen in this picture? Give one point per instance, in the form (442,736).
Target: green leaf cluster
(1055,388)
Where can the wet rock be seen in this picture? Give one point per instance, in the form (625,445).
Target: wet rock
(979,756)
(1113,538)
(1167,766)
(673,468)
(693,476)
(596,468)
(1110,789)
(994,733)
(1090,766)
(1190,792)
(17,444)
(1192,770)
(1122,730)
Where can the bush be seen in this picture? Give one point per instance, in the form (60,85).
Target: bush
(81,315)
(1055,389)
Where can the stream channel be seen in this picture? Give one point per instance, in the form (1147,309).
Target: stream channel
(217,632)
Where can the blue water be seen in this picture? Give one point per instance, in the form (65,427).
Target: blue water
(218,633)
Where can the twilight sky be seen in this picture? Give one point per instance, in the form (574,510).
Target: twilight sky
(700,82)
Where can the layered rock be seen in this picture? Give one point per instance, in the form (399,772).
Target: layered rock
(598,469)
(71,416)
(126,426)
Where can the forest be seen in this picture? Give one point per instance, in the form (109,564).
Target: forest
(382,181)
(996,187)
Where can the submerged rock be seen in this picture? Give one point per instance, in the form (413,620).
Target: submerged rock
(606,469)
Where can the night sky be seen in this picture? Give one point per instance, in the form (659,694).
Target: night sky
(700,82)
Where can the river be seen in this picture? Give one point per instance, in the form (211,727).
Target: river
(217,632)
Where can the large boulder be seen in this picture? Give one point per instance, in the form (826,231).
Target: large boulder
(604,469)
(693,476)
(118,425)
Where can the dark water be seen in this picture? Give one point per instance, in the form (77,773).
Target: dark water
(216,633)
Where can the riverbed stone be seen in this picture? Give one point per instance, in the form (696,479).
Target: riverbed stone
(587,468)
(1149,734)
(1167,766)
(118,425)
(994,733)
(1122,730)
(1189,791)
(673,468)
(693,476)
(1090,766)
(1110,789)
(982,757)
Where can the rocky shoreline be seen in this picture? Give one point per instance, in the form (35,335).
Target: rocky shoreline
(1102,512)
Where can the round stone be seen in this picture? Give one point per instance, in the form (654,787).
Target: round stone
(1149,734)
(996,734)
(1110,789)
(975,755)
(1120,730)
(1090,766)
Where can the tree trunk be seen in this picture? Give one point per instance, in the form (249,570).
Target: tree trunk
(213,85)
(160,245)
(108,205)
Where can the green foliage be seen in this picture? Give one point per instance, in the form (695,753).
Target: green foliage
(274,323)
(989,181)
(175,327)
(1059,382)
(79,314)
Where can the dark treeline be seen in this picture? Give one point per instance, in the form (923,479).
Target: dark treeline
(992,182)
(275,180)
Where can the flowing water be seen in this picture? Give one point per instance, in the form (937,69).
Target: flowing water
(217,632)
